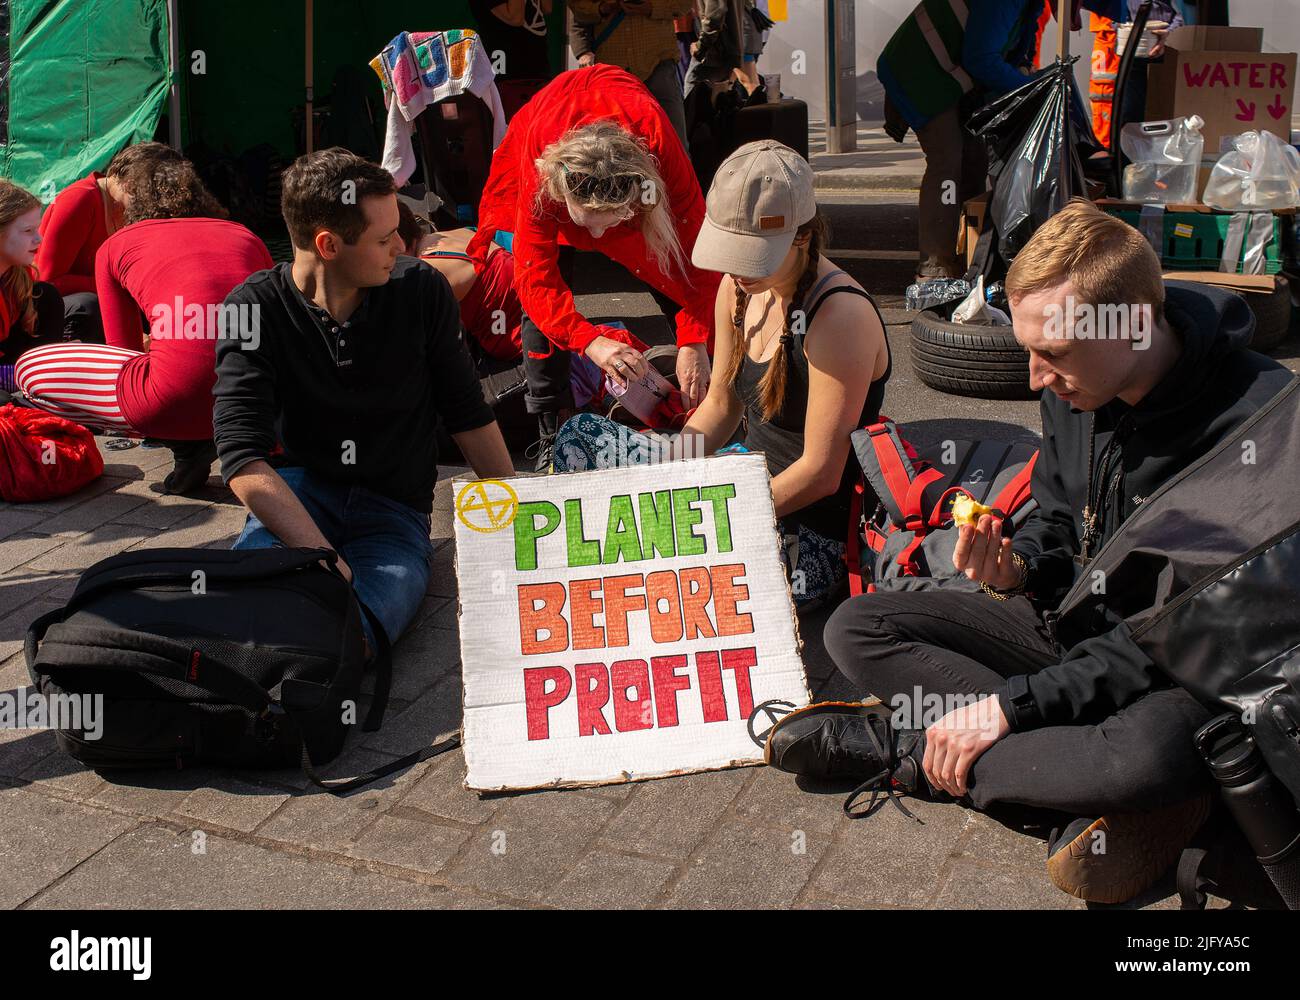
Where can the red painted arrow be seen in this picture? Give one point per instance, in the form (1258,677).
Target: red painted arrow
(1277,109)
(1247,112)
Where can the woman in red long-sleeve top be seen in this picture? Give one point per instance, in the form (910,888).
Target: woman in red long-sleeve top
(592,163)
(74,227)
(176,264)
(80,219)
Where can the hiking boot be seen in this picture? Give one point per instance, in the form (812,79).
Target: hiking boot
(1116,857)
(543,450)
(193,466)
(855,741)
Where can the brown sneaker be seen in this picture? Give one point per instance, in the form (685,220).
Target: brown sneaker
(1112,859)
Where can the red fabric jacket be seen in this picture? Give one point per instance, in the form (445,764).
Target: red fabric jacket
(573,99)
(43,456)
(72,231)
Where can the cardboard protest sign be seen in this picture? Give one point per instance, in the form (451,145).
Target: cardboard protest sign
(1220,74)
(622,624)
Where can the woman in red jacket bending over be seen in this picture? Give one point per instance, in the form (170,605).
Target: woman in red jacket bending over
(592,163)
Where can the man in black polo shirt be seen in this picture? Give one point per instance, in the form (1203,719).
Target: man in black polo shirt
(357,357)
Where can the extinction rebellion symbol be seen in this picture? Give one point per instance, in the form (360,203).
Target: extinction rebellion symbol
(487,505)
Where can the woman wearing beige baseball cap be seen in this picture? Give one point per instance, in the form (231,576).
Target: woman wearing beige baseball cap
(798,367)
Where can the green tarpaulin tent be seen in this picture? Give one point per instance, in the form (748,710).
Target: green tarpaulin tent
(79,79)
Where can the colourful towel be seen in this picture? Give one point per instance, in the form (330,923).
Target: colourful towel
(420,68)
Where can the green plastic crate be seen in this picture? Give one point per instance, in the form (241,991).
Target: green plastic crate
(1193,241)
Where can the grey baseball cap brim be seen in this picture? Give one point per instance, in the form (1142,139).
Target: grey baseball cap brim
(742,254)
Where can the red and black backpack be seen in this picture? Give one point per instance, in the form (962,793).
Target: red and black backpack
(907,541)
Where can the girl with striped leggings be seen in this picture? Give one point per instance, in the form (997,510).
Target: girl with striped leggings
(175,262)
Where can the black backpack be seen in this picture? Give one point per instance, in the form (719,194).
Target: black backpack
(249,658)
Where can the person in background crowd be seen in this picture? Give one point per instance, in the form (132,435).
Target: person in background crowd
(941,65)
(591,163)
(802,366)
(1067,716)
(175,260)
(31,312)
(1135,87)
(638,36)
(514,34)
(76,224)
(753,24)
(360,359)
(517,30)
(687,29)
(489,307)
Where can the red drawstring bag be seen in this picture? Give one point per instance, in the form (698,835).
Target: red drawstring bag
(43,456)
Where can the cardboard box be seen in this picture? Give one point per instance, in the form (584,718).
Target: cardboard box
(1235,282)
(1221,75)
(970,224)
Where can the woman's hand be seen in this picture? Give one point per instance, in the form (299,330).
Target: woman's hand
(955,742)
(617,360)
(586,59)
(693,371)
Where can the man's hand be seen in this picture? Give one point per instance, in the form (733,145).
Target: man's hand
(1158,46)
(693,371)
(344,568)
(982,554)
(586,59)
(955,742)
(617,360)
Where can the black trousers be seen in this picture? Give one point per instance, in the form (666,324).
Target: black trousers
(913,649)
(48,328)
(81,318)
(546,366)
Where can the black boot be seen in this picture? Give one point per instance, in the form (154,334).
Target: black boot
(548,425)
(852,740)
(193,466)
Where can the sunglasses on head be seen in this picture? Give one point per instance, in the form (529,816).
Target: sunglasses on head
(618,189)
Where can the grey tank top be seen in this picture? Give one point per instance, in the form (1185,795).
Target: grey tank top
(781,439)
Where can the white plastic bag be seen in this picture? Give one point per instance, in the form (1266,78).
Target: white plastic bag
(1166,156)
(1260,172)
(975,309)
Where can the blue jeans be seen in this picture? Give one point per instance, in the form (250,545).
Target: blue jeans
(385,543)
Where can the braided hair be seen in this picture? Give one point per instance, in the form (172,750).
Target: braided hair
(772,385)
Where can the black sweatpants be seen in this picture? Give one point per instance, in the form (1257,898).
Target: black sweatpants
(48,328)
(546,366)
(81,318)
(937,643)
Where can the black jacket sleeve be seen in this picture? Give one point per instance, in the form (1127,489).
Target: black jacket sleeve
(1096,678)
(245,408)
(1047,541)
(457,392)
